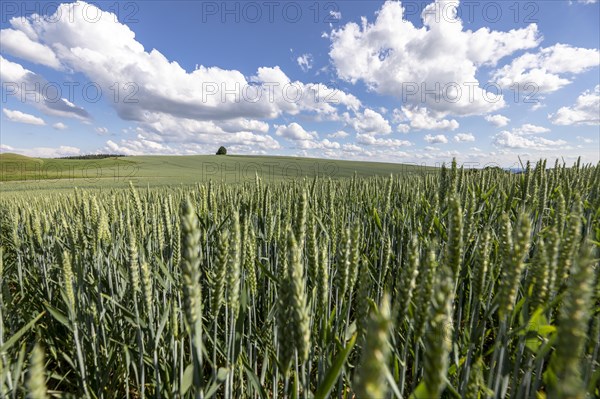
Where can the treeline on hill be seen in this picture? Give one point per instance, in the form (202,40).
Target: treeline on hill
(93,156)
(449,285)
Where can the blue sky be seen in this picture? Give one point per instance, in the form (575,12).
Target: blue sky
(412,81)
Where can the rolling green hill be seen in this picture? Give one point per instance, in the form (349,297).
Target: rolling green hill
(15,167)
(21,172)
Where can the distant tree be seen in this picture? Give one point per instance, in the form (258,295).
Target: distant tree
(222,151)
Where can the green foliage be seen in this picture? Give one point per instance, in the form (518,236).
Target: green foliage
(222,151)
(445,285)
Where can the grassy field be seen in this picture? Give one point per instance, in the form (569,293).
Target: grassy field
(452,284)
(18,173)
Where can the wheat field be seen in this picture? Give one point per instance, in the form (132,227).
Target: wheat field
(452,284)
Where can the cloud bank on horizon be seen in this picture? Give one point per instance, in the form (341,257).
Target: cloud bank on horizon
(397,84)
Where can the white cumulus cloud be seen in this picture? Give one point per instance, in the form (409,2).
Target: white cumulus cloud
(546,71)
(423,119)
(464,137)
(529,128)
(305,61)
(22,117)
(369,121)
(497,120)
(371,140)
(585,111)
(17,43)
(509,140)
(43,152)
(294,131)
(59,126)
(340,134)
(31,88)
(394,57)
(337,15)
(437,139)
